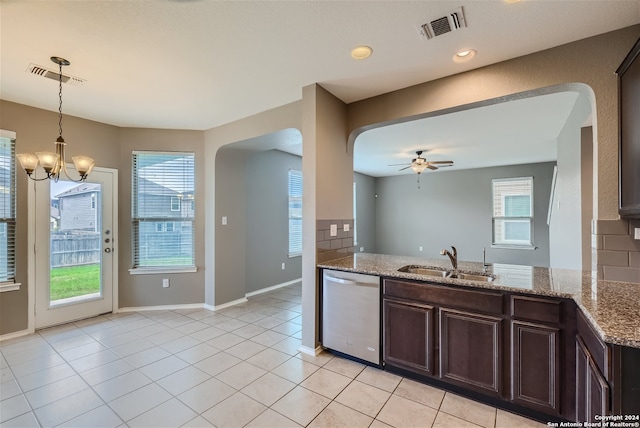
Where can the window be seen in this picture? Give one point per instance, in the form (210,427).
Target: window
(295,213)
(175,203)
(159,179)
(7,208)
(355,216)
(513,212)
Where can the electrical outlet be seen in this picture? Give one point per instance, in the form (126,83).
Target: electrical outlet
(345,227)
(165,283)
(224,220)
(361,249)
(333,230)
(282,265)
(420,248)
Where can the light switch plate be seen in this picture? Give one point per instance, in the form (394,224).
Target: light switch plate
(224,220)
(345,227)
(637,233)
(333,230)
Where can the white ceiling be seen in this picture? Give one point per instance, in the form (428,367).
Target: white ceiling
(197,64)
(509,133)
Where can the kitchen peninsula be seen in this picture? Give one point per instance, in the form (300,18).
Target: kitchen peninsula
(550,343)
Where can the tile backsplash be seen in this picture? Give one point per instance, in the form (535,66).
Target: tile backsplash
(617,252)
(333,247)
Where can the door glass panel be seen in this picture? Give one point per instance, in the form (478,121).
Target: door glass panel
(75,247)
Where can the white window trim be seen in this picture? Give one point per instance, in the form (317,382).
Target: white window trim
(10,284)
(513,244)
(150,270)
(162,270)
(289,253)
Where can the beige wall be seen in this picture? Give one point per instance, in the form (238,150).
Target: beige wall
(327,169)
(325,122)
(253,127)
(37,130)
(147,290)
(591,61)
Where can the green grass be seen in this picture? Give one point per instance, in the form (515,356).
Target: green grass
(74,281)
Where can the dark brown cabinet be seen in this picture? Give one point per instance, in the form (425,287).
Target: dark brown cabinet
(537,327)
(535,366)
(593,395)
(471,350)
(629,137)
(408,335)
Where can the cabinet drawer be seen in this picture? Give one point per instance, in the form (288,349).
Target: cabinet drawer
(443,295)
(536,309)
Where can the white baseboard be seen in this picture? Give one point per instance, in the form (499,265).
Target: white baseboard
(15,334)
(162,307)
(310,351)
(226,305)
(273,287)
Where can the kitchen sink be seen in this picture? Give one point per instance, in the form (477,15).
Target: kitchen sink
(472,276)
(444,273)
(424,270)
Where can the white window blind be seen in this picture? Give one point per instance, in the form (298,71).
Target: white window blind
(295,212)
(513,211)
(7,207)
(159,180)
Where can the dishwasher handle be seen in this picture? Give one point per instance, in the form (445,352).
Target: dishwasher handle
(350,281)
(340,280)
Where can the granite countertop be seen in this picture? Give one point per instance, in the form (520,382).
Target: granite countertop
(613,308)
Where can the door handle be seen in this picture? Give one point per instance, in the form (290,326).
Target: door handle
(107,250)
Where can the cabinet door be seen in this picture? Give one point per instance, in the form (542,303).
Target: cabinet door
(598,393)
(408,336)
(471,350)
(535,366)
(582,367)
(593,394)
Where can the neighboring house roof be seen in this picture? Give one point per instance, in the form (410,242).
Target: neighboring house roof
(79,189)
(153,188)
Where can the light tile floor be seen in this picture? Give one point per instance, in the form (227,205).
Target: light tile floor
(239,366)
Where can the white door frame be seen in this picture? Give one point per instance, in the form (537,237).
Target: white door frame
(31,244)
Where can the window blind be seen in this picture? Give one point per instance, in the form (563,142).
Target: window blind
(512,200)
(295,212)
(7,207)
(163,194)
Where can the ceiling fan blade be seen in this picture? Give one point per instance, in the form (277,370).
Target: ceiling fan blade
(406,167)
(441,162)
(397,164)
(432,167)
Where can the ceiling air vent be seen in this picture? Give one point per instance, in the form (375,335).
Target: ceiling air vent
(38,70)
(443,25)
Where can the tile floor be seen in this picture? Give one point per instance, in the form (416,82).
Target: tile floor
(236,367)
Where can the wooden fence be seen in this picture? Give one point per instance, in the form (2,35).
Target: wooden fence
(72,249)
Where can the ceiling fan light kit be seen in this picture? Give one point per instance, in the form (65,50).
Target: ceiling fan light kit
(419,164)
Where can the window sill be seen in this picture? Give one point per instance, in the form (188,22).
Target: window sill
(514,247)
(10,286)
(295,255)
(162,270)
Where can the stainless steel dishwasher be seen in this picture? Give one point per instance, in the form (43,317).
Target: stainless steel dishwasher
(351,314)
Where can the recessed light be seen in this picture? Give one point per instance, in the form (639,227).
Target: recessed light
(361,52)
(464,55)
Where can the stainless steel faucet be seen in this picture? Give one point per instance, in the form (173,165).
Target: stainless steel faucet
(453,257)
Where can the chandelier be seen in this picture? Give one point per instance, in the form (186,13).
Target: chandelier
(54,163)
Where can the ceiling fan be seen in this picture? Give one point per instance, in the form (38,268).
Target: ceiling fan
(419,164)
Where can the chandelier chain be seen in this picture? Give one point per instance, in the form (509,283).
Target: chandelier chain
(60,101)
